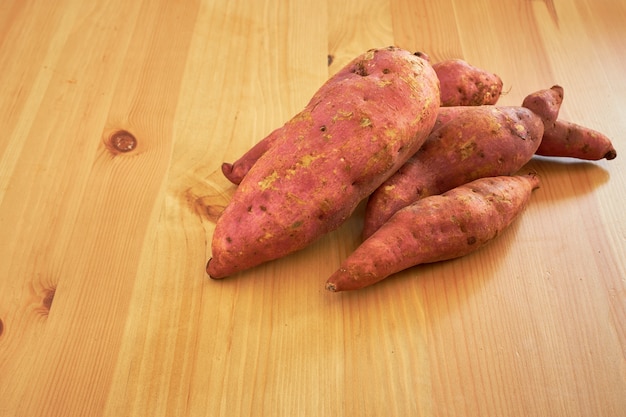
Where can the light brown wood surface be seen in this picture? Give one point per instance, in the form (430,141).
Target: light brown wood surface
(105,306)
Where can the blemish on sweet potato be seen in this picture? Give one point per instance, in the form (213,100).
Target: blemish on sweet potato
(268,181)
(360,69)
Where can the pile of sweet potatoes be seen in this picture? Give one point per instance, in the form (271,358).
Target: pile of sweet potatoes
(425,144)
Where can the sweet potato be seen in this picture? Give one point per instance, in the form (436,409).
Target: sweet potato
(468,142)
(436,228)
(482,141)
(357,130)
(463,84)
(567,139)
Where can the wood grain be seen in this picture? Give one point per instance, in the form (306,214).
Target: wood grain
(105,307)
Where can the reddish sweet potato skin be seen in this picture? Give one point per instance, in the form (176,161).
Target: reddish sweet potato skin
(447,114)
(546,104)
(567,139)
(436,228)
(237,170)
(463,84)
(358,129)
(477,142)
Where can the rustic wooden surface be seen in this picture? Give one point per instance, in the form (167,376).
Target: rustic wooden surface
(105,307)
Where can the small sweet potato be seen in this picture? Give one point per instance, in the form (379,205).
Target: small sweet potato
(481,141)
(463,84)
(358,129)
(436,228)
(545,104)
(567,139)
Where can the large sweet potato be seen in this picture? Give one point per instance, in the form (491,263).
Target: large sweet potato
(436,228)
(463,84)
(357,130)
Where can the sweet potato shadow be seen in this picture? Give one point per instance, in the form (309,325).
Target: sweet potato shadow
(566,178)
(433,283)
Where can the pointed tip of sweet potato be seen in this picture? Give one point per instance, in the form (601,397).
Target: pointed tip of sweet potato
(611,154)
(230,173)
(210,271)
(534,179)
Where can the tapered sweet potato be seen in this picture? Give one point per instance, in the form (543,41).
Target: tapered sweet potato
(463,84)
(468,142)
(436,228)
(482,141)
(360,127)
(567,139)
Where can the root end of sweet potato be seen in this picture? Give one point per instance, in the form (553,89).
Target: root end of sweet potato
(611,154)
(211,274)
(228,171)
(534,179)
(558,90)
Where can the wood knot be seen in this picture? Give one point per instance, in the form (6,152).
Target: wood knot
(48,298)
(209,207)
(123,141)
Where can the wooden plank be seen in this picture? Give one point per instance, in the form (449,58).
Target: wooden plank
(91,214)
(417,26)
(105,307)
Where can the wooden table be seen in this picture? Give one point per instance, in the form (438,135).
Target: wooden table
(105,306)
